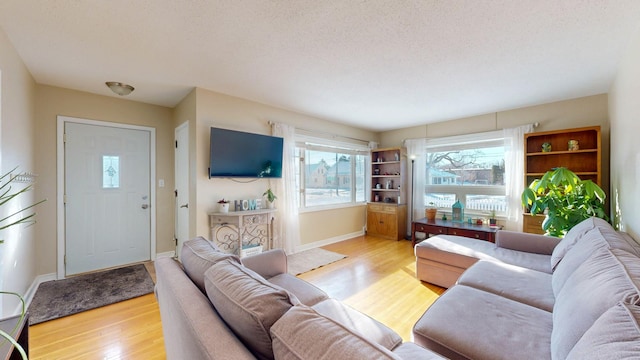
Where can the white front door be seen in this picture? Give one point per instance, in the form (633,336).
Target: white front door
(107,196)
(182,185)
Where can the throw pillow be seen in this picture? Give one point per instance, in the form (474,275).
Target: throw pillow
(601,281)
(198,254)
(573,236)
(248,303)
(302,333)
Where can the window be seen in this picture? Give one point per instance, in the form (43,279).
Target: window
(110,171)
(469,168)
(330,174)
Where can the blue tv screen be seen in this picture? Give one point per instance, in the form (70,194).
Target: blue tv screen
(247,155)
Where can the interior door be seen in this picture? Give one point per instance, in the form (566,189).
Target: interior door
(107,197)
(182,185)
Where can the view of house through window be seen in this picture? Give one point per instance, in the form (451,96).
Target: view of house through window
(330,176)
(470,172)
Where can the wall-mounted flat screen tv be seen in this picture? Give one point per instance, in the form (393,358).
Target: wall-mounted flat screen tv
(237,154)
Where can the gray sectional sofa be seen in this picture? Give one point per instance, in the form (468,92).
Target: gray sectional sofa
(214,306)
(533,297)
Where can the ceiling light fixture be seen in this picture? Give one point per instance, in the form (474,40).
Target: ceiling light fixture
(120,88)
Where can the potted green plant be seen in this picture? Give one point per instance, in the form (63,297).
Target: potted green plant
(224,205)
(492,218)
(271,197)
(565,199)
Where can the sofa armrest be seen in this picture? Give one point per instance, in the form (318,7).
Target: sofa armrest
(268,264)
(531,243)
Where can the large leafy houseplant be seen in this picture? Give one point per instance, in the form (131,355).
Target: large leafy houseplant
(566,200)
(15,217)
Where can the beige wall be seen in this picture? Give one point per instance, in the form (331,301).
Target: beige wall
(17,126)
(332,224)
(585,111)
(624,109)
(54,101)
(218,110)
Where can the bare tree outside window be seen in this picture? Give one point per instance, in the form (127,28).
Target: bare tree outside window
(475,176)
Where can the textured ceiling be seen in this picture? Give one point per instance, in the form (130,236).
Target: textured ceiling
(377,65)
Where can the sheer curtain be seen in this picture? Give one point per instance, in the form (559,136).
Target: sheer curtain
(286,232)
(416,151)
(514,172)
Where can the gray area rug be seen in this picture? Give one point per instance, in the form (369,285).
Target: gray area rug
(58,298)
(311,259)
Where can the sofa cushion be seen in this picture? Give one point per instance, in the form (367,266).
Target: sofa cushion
(601,281)
(197,256)
(615,335)
(513,282)
(307,293)
(574,234)
(580,251)
(597,237)
(248,303)
(302,333)
(469,323)
(359,323)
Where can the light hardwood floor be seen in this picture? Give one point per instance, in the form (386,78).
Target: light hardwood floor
(377,278)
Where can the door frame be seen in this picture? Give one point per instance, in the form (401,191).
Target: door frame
(60,148)
(182,127)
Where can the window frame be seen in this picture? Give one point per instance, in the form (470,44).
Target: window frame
(304,143)
(465,142)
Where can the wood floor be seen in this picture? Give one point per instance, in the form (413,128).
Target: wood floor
(377,278)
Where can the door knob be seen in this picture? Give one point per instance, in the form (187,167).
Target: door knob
(184,206)
(145,206)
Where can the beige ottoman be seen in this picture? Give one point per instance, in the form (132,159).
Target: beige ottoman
(440,260)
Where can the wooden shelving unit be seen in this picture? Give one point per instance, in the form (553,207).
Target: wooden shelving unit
(387,209)
(586,162)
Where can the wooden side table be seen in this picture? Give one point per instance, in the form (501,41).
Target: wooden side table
(7,351)
(447,227)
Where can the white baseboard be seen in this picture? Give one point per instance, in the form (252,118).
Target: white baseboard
(165,254)
(324,242)
(31,291)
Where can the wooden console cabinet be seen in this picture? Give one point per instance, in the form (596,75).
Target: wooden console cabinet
(532,223)
(233,230)
(445,227)
(387,221)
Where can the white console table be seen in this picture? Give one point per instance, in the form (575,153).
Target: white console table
(235,229)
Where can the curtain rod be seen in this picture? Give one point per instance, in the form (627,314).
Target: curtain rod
(325,133)
(535,125)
